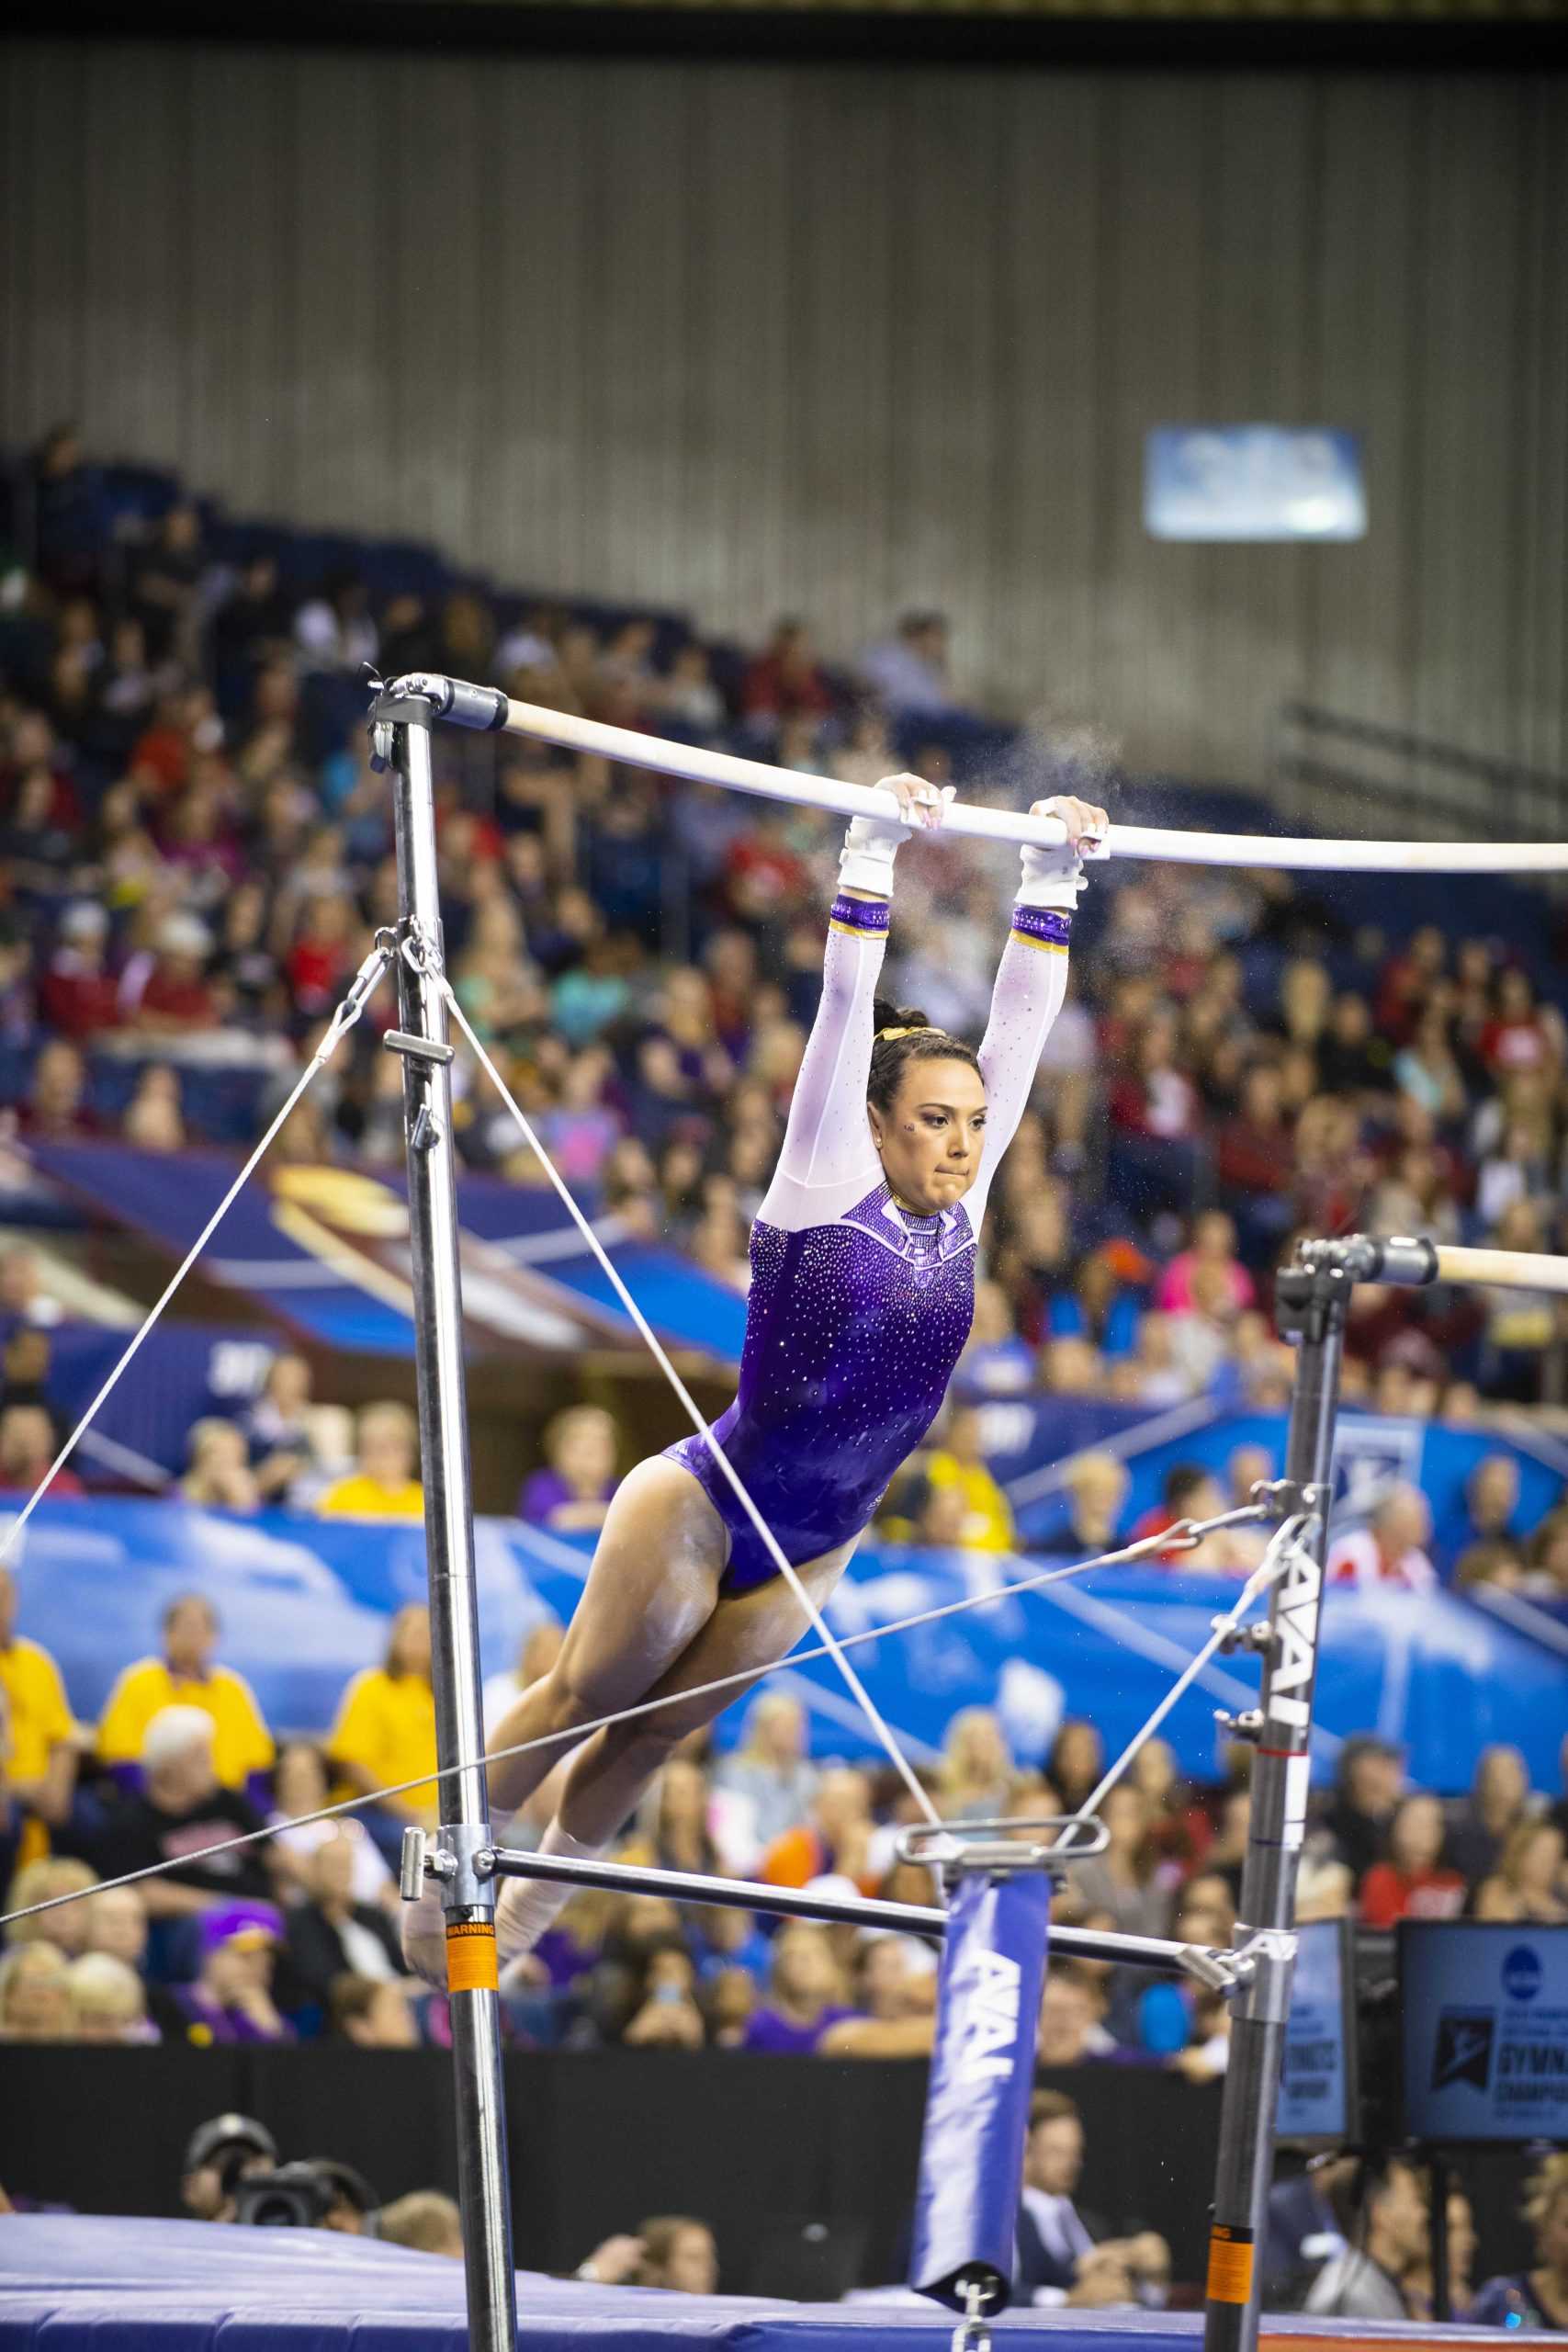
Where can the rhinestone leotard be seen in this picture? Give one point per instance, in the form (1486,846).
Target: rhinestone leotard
(859,1309)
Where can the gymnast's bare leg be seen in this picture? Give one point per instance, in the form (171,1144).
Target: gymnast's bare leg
(615,1766)
(613,1769)
(651,1621)
(652,1587)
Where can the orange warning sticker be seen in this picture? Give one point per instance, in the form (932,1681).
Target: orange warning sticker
(1230,2265)
(471,1956)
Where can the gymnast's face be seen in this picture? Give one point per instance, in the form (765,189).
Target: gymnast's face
(930,1136)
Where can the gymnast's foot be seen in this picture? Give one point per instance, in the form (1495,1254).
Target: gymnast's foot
(524,1909)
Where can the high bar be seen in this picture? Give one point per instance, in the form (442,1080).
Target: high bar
(488,710)
(1210,1967)
(1414,1262)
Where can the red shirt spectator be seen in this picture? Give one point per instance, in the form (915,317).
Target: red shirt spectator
(1516,1038)
(170,991)
(1390,1548)
(1410,1884)
(1254,1152)
(786,682)
(1406,981)
(176,997)
(55,1109)
(77,995)
(1158,1100)
(763,877)
(28,1446)
(321,956)
(1389,1894)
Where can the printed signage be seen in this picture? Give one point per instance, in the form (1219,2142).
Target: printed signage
(1316,2093)
(1485,2020)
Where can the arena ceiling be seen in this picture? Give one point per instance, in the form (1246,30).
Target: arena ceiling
(1470,35)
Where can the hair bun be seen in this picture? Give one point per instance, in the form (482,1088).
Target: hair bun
(896,1020)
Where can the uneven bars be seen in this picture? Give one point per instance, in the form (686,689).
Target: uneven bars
(1413,1262)
(1504,1269)
(1210,1967)
(490,711)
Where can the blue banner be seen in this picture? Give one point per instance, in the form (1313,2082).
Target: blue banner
(326,1251)
(305,1604)
(981,2081)
(1030,1446)
(182,1372)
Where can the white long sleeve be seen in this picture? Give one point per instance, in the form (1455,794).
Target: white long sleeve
(828,1161)
(1032,983)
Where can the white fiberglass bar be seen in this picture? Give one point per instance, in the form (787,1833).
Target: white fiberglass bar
(1181,848)
(1504,1269)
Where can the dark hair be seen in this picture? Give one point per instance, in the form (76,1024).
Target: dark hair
(891,1056)
(1052,2107)
(1183,1480)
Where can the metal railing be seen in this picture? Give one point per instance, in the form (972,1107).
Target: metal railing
(1375,778)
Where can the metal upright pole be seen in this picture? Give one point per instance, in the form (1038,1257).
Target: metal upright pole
(404,730)
(1311,1303)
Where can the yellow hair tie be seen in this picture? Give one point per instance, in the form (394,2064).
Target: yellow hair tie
(913,1030)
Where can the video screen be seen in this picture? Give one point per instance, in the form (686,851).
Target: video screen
(1485,2030)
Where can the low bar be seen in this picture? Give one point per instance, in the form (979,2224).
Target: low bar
(1155,1952)
(490,711)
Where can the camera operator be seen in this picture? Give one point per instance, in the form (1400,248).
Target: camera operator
(317,2193)
(221,2153)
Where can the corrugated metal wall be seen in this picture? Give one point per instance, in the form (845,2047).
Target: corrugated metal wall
(842,340)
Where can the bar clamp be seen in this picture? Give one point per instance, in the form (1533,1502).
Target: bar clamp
(461,1860)
(1000,1847)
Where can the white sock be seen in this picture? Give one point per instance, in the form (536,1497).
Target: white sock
(527,1906)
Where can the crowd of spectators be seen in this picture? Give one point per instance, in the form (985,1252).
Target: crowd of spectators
(196,851)
(265,1927)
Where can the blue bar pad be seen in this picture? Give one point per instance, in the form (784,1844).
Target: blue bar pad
(993,1970)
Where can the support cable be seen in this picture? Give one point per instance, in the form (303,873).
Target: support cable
(364,982)
(1186,1534)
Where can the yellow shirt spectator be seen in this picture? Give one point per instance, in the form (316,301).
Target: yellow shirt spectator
(41,1769)
(383,1484)
(956,1467)
(185,1676)
(988,1518)
(361,1498)
(385,1730)
(41,1713)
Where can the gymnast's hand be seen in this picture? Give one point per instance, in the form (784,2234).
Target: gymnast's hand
(871,842)
(1053,877)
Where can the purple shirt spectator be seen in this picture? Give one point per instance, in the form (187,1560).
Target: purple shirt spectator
(771,2030)
(214,2020)
(546,1491)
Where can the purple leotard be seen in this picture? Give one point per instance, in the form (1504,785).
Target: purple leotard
(859,1309)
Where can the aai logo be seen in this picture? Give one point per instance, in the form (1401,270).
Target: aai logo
(1463,2054)
(1521,1973)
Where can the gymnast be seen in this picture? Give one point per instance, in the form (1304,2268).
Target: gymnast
(863,1290)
